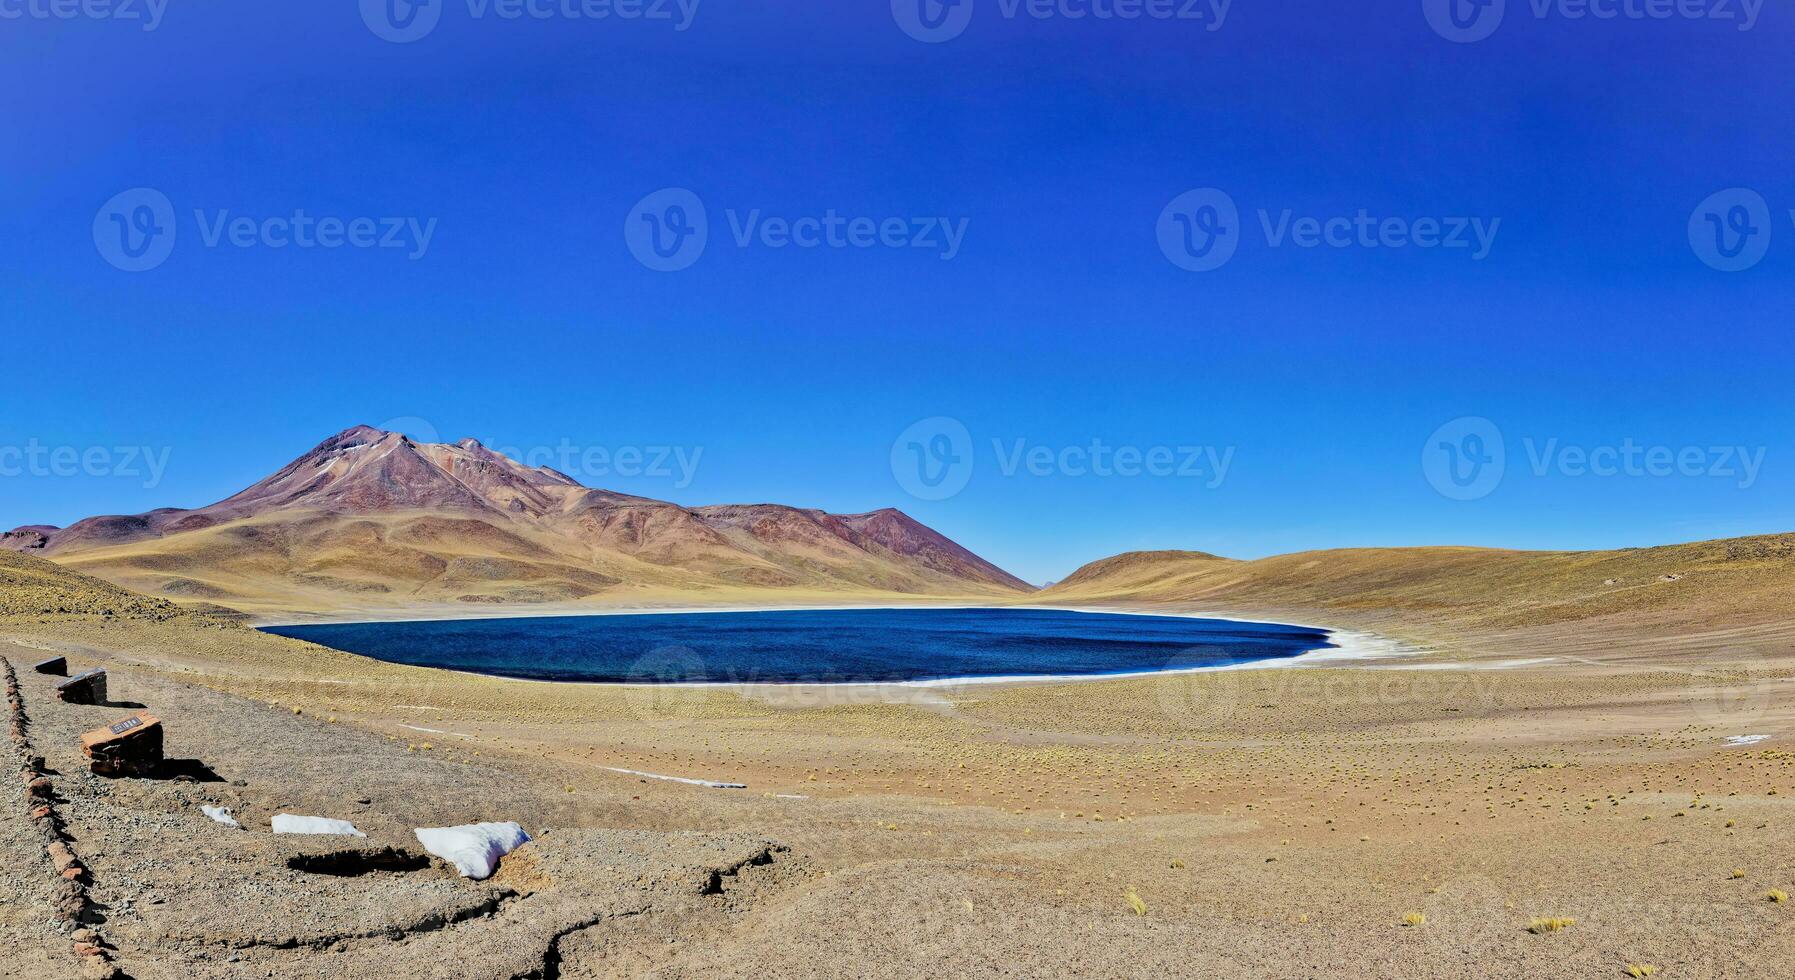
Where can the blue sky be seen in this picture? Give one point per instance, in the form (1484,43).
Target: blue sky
(1055,144)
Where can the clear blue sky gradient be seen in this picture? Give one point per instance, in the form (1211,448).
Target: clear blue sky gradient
(529,323)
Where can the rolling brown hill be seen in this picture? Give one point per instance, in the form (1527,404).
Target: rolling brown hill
(373,522)
(36,587)
(1737,591)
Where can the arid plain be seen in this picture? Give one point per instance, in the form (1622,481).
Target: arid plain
(1560,764)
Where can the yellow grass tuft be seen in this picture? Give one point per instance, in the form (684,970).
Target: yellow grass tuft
(1542,925)
(1414,919)
(1640,969)
(1133,898)
(1177,863)
(1738,873)
(1777,895)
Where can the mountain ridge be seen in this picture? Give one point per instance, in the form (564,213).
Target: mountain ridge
(368,513)
(1723,583)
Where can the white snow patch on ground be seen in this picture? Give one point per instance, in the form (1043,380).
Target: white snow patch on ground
(435,731)
(678,779)
(221,814)
(287,823)
(1472,664)
(474,849)
(1745,739)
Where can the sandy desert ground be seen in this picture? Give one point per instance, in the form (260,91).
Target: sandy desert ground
(1408,817)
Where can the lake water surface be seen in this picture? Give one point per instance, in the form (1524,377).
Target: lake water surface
(818,645)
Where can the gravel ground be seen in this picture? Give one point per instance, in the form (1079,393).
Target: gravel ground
(1269,823)
(181,895)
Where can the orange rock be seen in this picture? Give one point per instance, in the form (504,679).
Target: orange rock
(131,747)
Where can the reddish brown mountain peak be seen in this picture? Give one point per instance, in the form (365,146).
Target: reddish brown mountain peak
(355,435)
(558,476)
(452,517)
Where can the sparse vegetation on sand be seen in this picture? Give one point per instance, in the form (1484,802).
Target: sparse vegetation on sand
(1135,903)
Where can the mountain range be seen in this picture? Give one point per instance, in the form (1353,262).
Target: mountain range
(372,523)
(372,520)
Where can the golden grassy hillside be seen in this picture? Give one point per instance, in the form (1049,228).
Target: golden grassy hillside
(1699,586)
(32,586)
(299,564)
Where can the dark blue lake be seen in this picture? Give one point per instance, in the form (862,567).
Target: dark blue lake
(817,645)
